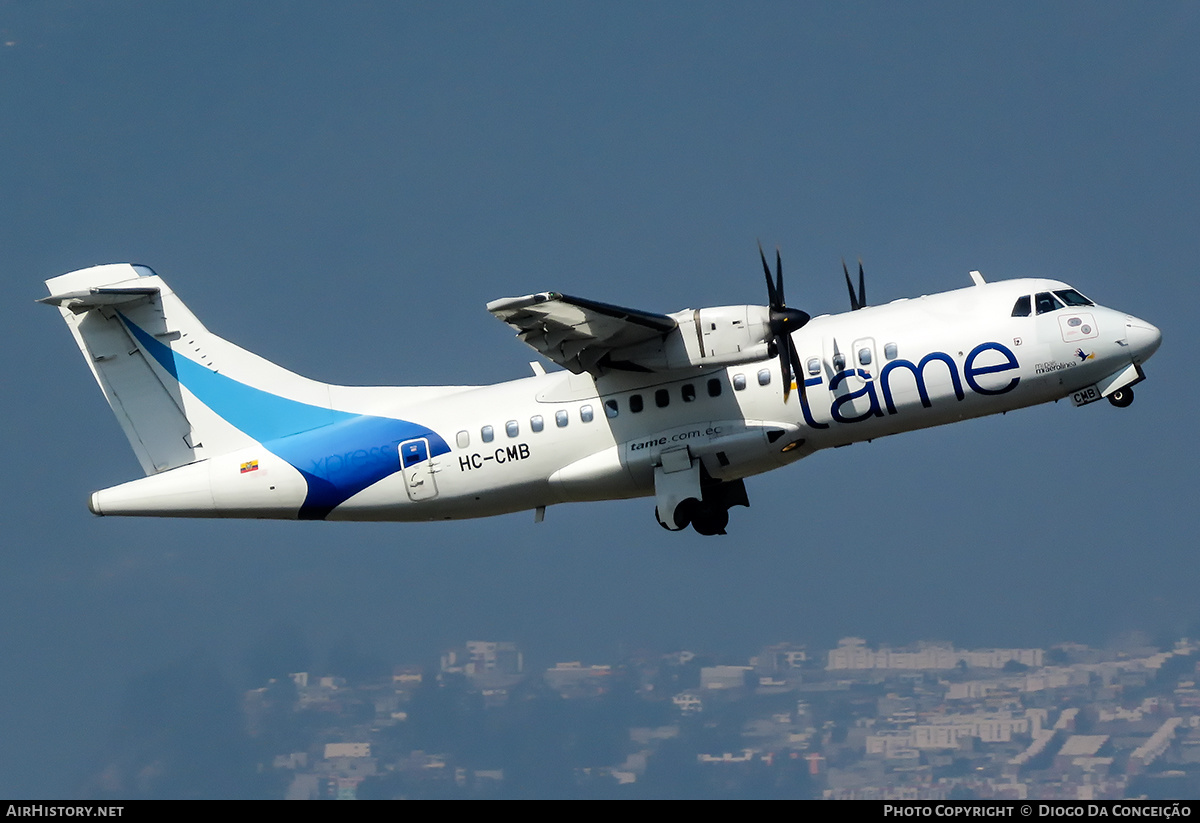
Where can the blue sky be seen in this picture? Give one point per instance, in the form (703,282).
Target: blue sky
(342,187)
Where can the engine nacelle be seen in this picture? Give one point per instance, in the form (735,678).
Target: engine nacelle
(704,338)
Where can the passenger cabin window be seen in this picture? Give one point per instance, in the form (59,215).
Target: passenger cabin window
(610,408)
(864,357)
(585,414)
(1022,307)
(839,362)
(814,366)
(561,418)
(635,403)
(714,387)
(1047,302)
(890,351)
(739,382)
(662,397)
(464,439)
(537,423)
(1073,298)
(688,392)
(486,434)
(764,377)
(512,428)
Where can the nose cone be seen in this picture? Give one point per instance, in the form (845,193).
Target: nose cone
(1143,338)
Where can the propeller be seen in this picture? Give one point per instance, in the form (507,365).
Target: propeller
(859,301)
(783,321)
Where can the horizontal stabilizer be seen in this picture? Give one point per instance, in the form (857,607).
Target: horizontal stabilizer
(81,301)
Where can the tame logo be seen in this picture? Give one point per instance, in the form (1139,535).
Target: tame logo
(844,404)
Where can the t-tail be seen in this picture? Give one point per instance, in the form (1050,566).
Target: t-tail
(220,431)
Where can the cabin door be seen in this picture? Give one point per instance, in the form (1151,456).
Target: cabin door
(417,469)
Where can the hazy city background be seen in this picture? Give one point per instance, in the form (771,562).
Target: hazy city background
(342,187)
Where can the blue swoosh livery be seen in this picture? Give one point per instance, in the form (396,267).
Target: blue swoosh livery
(338,453)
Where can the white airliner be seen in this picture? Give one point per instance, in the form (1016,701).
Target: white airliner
(680,407)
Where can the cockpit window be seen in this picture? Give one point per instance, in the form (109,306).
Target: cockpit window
(1073,298)
(1022,307)
(1047,302)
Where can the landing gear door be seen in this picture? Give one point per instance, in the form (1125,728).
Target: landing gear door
(677,488)
(417,469)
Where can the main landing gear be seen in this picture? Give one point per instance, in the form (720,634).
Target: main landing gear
(707,516)
(687,495)
(1121,397)
(705,519)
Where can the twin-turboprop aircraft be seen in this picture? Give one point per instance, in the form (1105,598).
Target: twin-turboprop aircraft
(679,407)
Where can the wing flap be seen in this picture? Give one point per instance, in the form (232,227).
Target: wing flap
(575,332)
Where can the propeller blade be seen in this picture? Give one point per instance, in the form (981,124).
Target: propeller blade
(801,375)
(797,372)
(779,278)
(783,321)
(862,286)
(785,366)
(854,304)
(857,301)
(767,271)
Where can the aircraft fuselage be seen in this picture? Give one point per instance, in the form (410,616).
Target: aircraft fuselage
(561,437)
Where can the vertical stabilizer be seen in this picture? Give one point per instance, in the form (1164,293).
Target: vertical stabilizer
(180,393)
(222,431)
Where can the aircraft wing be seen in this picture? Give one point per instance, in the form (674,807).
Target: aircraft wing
(578,334)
